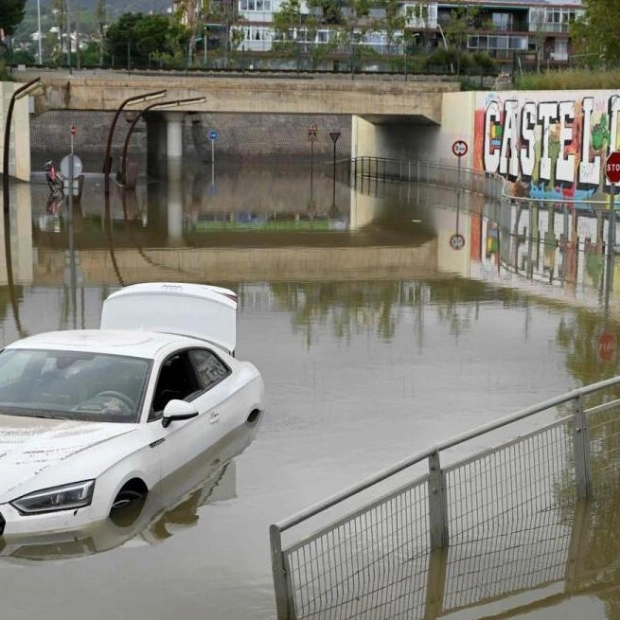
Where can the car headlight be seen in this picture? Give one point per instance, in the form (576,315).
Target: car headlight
(66,497)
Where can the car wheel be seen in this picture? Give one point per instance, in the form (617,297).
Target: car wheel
(127,505)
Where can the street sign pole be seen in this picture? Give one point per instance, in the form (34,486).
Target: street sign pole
(459,148)
(212,161)
(458,193)
(71,232)
(612,172)
(213,136)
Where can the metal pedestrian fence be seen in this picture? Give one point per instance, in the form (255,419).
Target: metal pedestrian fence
(463,531)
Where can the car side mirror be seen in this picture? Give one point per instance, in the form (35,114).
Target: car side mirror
(177,410)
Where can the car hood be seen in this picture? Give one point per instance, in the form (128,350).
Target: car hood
(29,446)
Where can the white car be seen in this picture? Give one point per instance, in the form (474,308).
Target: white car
(93,419)
(170,508)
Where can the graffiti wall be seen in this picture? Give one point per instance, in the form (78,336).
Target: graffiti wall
(549,145)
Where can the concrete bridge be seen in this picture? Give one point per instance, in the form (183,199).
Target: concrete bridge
(384,112)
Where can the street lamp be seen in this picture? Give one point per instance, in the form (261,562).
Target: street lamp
(136,99)
(22,91)
(160,105)
(39,31)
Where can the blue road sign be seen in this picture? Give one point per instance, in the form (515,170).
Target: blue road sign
(213,135)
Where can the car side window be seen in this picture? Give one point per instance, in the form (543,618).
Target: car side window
(177,379)
(210,369)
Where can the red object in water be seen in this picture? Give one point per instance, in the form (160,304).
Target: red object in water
(607,346)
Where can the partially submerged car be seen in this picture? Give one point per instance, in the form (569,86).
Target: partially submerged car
(91,420)
(171,507)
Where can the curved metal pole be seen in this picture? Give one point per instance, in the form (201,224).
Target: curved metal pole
(159,104)
(20,92)
(9,275)
(134,122)
(108,148)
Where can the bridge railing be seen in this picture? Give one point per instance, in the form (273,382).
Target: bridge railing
(388,552)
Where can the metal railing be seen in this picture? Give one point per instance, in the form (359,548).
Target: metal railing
(505,508)
(369,174)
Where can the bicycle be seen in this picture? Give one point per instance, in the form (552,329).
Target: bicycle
(55,180)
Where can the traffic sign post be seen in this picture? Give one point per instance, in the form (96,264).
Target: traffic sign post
(213,136)
(459,148)
(612,172)
(312,136)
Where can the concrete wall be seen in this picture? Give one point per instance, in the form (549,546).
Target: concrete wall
(19,149)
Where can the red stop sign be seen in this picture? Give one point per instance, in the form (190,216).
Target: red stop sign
(607,346)
(612,168)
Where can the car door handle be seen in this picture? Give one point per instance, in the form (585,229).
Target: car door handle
(214,417)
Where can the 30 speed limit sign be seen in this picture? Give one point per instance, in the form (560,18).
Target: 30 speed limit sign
(459,148)
(457,241)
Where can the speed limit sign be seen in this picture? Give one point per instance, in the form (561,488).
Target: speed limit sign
(457,241)
(459,148)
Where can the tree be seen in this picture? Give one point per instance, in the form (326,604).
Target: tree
(11,14)
(595,34)
(101,15)
(140,38)
(462,21)
(287,27)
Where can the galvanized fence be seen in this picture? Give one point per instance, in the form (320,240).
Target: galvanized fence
(460,534)
(371,172)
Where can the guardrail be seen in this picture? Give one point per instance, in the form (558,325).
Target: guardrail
(389,553)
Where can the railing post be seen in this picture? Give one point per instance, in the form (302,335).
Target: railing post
(581,450)
(285,605)
(437,504)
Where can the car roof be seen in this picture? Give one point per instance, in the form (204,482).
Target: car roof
(135,343)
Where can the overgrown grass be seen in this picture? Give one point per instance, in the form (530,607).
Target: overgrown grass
(568,79)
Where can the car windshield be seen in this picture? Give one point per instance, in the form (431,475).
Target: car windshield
(72,385)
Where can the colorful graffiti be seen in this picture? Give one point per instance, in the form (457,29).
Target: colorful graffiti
(548,146)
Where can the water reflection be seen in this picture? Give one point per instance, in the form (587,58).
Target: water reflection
(373,317)
(170,508)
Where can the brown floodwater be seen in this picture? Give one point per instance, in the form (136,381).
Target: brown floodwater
(375,337)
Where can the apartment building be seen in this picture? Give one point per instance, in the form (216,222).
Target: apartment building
(523,30)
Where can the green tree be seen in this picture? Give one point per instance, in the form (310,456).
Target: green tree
(462,22)
(141,38)
(101,15)
(295,31)
(595,34)
(11,14)
(393,23)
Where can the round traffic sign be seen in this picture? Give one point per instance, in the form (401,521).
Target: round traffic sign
(65,166)
(459,148)
(612,168)
(457,241)
(213,135)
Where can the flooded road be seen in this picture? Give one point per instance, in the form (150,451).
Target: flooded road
(376,338)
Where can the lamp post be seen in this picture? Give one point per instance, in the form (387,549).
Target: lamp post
(39,31)
(22,91)
(136,99)
(204,45)
(134,122)
(334,135)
